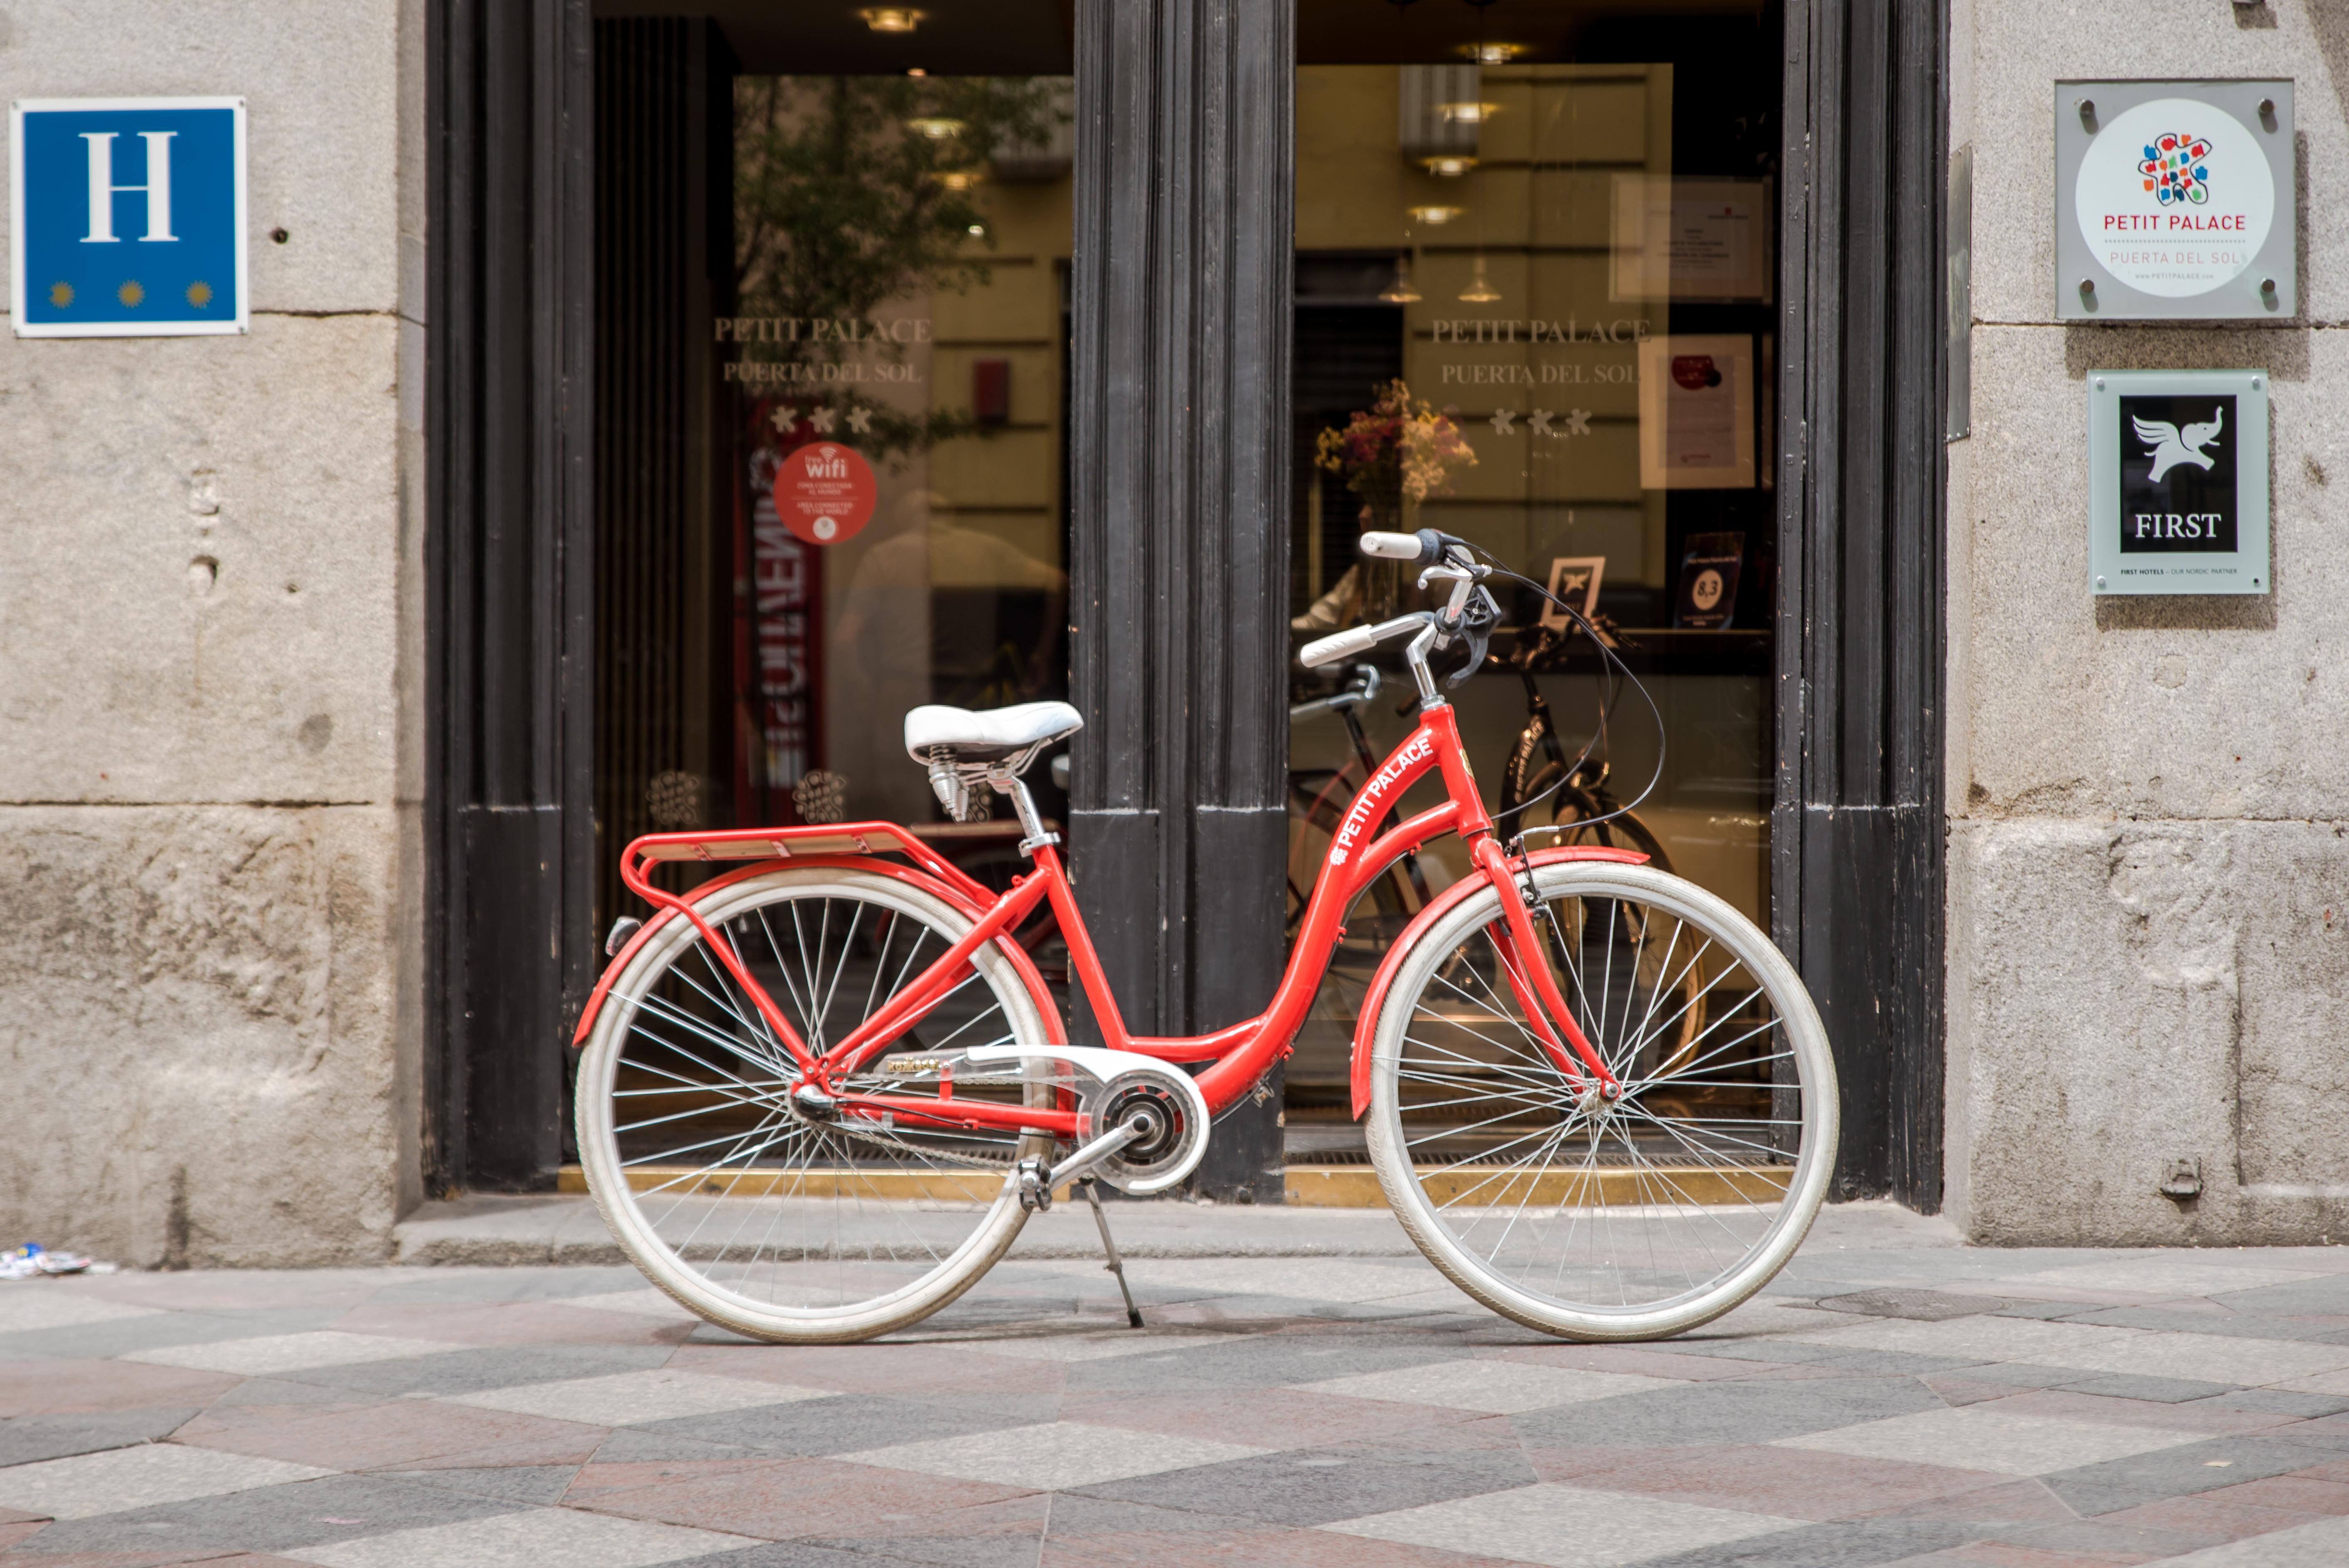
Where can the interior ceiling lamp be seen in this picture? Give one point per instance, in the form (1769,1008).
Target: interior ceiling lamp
(1435,217)
(892,18)
(957,179)
(1495,53)
(1469,113)
(1448,165)
(937,129)
(1400,292)
(1480,290)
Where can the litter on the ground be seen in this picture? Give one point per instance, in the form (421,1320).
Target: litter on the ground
(32,1260)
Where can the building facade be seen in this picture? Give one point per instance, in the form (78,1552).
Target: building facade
(344,654)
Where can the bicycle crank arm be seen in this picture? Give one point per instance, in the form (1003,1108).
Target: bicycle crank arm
(1113,1087)
(1038,1179)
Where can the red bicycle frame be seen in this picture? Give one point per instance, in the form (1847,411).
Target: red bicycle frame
(1238,1057)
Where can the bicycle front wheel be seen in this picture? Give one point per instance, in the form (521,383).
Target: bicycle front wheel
(1630,1219)
(748,1212)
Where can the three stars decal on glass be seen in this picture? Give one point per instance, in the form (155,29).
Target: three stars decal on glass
(1577,422)
(821,419)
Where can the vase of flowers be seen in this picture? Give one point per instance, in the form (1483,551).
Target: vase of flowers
(1393,455)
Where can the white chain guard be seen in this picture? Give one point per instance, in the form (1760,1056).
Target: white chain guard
(1103,1066)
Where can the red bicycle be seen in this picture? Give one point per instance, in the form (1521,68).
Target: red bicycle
(820,1095)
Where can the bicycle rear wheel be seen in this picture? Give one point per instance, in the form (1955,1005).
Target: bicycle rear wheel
(749,1213)
(1633,1220)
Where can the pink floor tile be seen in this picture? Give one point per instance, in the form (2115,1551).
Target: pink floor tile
(2301,1493)
(876,1368)
(396,1434)
(67,1387)
(782,1497)
(511,1323)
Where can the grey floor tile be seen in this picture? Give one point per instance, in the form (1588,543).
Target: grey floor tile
(801,1554)
(2090,1539)
(2180,1471)
(2281,1402)
(2163,1391)
(1855,1544)
(630,1445)
(1266,1361)
(274,1518)
(473,1287)
(473,1371)
(1319,1486)
(278,1391)
(2325,1296)
(1730,1411)
(2045,1310)
(2240,1326)
(156,1331)
(28,1439)
(1076,1515)
(851,1423)
(2328,1432)
(993,1550)
(536,1484)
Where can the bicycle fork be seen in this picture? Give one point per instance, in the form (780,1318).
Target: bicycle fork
(1524,960)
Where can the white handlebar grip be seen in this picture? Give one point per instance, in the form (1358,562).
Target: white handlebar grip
(1337,645)
(1392,546)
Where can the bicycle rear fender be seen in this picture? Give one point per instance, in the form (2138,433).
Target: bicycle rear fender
(908,874)
(1366,1025)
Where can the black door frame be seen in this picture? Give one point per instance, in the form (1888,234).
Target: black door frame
(1857,831)
(1181,307)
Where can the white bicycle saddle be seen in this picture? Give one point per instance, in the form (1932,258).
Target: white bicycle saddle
(997,732)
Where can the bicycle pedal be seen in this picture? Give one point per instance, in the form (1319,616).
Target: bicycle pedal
(1035,1185)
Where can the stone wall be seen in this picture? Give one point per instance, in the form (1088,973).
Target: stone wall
(2148,799)
(209,646)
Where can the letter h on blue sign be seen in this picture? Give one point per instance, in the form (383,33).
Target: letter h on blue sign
(127,216)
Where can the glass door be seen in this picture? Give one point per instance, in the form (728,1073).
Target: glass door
(1536,274)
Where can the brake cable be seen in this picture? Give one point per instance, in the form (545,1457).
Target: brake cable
(1613,671)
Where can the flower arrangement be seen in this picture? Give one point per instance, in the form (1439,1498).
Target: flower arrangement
(1399,448)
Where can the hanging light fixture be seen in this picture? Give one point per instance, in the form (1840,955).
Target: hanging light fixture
(1435,217)
(1480,290)
(1400,292)
(892,18)
(1448,165)
(957,179)
(1495,53)
(935,127)
(1471,113)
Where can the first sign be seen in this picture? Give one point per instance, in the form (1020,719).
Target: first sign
(127,216)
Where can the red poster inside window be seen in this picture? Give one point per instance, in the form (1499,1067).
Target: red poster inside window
(824,492)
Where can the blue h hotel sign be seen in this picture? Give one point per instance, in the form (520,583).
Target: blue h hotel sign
(127,216)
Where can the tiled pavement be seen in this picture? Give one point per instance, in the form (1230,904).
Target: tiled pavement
(1895,1398)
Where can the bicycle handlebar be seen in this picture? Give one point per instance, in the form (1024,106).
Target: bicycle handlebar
(1394,546)
(1357,639)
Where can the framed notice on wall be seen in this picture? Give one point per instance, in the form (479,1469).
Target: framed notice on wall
(2175,200)
(1690,239)
(2178,482)
(1696,412)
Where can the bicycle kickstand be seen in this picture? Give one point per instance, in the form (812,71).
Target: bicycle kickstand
(1116,1264)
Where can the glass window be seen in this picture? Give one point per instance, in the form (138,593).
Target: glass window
(1536,289)
(832,261)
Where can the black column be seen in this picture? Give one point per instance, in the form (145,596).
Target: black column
(509,842)
(1856,833)
(1179,490)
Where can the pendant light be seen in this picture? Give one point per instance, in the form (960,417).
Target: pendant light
(1480,291)
(1400,292)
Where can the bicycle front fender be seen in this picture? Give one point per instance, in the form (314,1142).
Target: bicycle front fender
(906,874)
(1366,1025)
